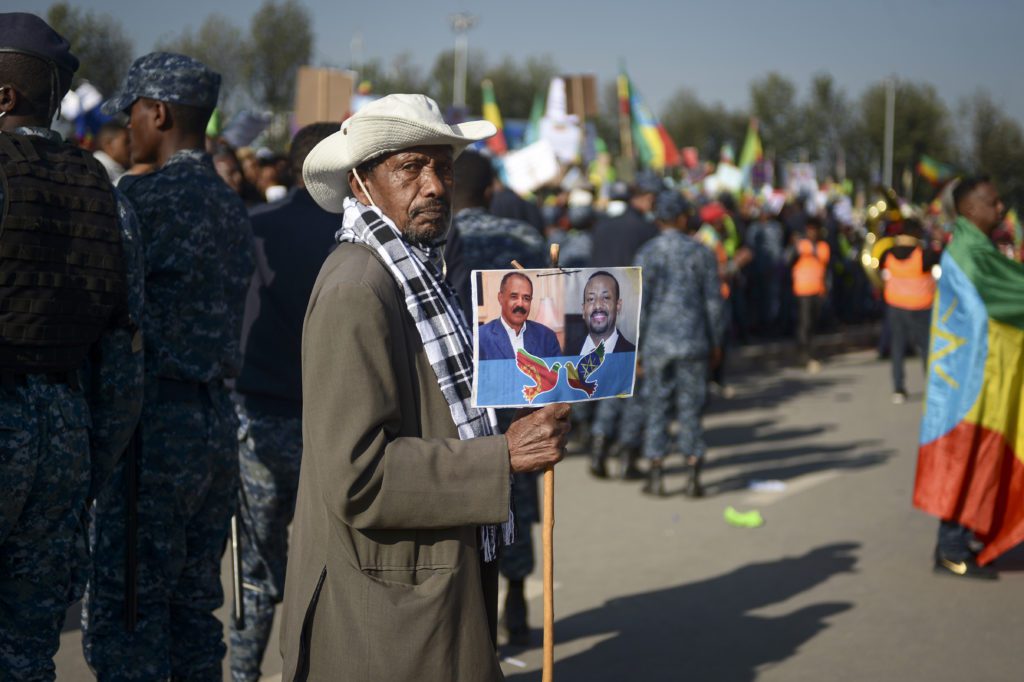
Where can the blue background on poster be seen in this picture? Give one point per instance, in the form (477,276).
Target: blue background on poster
(500,383)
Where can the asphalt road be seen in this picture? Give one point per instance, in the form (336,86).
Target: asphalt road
(837,585)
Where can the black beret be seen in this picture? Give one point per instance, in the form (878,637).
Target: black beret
(28,34)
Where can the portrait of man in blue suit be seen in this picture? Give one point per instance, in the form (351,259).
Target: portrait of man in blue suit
(502,337)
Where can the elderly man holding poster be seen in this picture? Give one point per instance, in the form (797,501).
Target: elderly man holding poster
(404,489)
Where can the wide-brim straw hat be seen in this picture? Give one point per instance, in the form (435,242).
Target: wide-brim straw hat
(386,125)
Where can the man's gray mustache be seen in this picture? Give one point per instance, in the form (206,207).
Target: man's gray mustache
(430,208)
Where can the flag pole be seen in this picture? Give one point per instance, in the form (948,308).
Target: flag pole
(579,104)
(548,545)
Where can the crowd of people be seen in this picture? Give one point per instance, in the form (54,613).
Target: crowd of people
(186,323)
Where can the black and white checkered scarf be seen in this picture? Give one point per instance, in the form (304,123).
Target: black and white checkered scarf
(438,317)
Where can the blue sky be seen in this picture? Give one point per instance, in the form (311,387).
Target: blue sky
(712,48)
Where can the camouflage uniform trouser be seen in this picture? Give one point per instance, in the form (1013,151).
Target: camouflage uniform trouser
(269,452)
(44,480)
(621,419)
(686,380)
(188,477)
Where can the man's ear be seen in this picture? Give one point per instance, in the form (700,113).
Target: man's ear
(353,187)
(357,191)
(8,98)
(162,117)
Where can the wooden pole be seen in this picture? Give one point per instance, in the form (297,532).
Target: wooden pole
(548,544)
(548,536)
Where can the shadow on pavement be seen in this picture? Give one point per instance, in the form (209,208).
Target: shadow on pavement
(772,393)
(704,630)
(741,434)
(1012,561)
(790,471)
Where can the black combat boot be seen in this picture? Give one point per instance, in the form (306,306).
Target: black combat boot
(598,455)
(515,615)
(655,484)
(628,470)
(694,488)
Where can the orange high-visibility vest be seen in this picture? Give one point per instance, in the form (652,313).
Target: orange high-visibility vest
(809,269)
(906,285)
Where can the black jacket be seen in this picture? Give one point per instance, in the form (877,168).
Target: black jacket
(616,240)
(292,239)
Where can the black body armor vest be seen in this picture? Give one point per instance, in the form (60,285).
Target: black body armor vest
(62,276)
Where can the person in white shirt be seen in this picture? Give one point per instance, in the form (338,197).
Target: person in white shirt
(113,149)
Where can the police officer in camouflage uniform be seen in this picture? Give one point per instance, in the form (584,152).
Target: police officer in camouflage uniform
(198,254)
(490,242)
(293,236)
(681,331)
(619,422)
(70,354)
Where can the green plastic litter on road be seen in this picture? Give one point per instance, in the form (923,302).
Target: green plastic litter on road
(749,519)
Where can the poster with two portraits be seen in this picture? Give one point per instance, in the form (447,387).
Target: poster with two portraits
(554,335)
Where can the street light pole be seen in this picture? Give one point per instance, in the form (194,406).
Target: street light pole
(890,124)
(461,23)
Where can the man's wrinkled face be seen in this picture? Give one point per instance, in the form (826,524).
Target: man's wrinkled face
(515,298)
(413,187)
(601,305)
(984,207)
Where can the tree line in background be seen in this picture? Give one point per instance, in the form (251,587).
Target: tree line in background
(842,134)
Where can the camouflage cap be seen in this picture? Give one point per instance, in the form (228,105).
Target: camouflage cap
(166,77)
(669,205)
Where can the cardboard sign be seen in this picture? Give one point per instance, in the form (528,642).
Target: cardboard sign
(554,335)
(581,95)
(801,178)
(530,168)
(322,95)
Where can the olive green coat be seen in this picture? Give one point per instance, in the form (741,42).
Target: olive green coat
(383,578)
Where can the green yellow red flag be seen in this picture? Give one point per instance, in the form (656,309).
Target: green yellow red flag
(496,143)
(970,466)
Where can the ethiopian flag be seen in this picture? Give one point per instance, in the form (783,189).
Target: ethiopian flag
(970,466)
(495,142)
(933,171)
(653,143)
(752,150)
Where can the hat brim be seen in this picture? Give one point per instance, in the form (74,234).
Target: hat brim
(121,101)
(325,170)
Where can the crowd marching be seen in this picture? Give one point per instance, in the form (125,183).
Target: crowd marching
(228,244)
